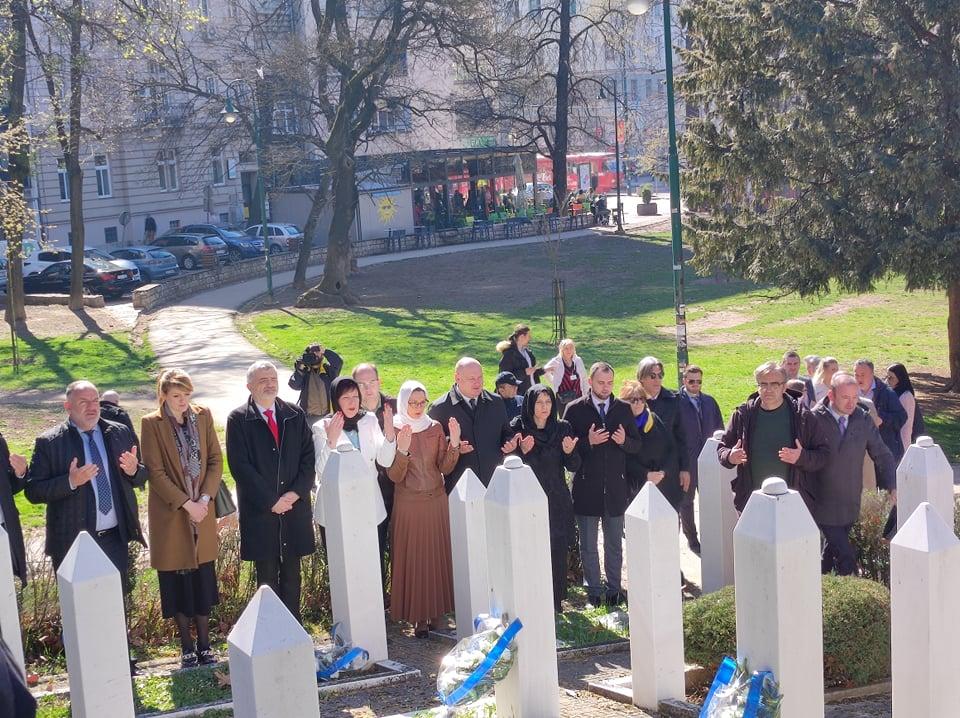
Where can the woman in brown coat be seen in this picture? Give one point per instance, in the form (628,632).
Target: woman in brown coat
(422,569)
(182,454)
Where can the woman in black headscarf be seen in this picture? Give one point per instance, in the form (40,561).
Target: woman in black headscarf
(899,380)
(548,446)
(349,425)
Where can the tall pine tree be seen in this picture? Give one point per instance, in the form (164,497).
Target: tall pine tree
(827,153)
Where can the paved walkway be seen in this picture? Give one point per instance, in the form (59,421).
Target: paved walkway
(200,336)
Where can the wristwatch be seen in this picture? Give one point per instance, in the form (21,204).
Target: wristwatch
(401,451)
(204,499)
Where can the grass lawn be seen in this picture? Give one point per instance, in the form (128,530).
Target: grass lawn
(51,363)
(421,315)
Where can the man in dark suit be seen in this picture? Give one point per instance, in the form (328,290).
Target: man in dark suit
(486,434)
(13,477)
(373,399)
(891,416)
(833,493)
(699,418)
(85,471)
(111,410)
(607,432)
(790,363)
(270,454)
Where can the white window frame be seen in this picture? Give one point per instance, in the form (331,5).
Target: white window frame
(63,179)
(102,171)
(285,118)
(168,176)
(217,174)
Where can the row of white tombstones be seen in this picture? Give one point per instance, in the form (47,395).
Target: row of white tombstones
(501,549)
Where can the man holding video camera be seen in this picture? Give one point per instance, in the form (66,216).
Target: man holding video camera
(312,375)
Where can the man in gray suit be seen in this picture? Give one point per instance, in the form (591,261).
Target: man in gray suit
(833,493)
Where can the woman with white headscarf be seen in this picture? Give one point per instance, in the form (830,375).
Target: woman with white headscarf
(422,568)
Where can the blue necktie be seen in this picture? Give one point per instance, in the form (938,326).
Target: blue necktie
(601,408)
(843,426)
(104,499)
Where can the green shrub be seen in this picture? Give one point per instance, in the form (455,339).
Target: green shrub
(646,192)
(867,537)
(856,630)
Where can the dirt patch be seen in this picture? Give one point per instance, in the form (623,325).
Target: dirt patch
(723,319)
(934,400)
(45,322)
(838,308)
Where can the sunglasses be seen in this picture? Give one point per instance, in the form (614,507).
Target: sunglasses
(637,400)
(655,376)
(694,381)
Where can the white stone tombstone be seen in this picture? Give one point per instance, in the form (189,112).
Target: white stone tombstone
(924,474)
(779,601)
(353,551)
(718,517)
(521,586)
(924,630)
(273,671)
(9,611)
(468,542)
(94,633)
(656,615)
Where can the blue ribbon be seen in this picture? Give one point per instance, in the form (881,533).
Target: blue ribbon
(486,665)
(724,675)
(753,697)
(342,662)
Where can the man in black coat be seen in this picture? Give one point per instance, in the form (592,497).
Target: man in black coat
(790,363)
(372,399)
(313,373)
(606,432)
(111,410)
(506,386)
(699,417)
(85,471)
(270,454)
(485,430)
(13,477)
(891,416)
(833,492)
(771,434)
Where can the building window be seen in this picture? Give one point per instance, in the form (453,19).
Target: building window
(63,180)
(534,5)
(103,175)
(285,118)
(211,85)
(648,83)
(216,167)
(634,89)
(167,169)
(224,217)
(392,119)
(232,168)
(110,235)
(174,223)
(204,8)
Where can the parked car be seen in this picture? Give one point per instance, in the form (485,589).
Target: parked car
(239,244)
(282,235)
(153,263)
(3,275)
(39,261)
(99,277)
(189,249)
(95,253)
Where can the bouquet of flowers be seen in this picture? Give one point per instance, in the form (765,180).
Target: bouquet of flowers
(339,656)
(737,693)
(478,662)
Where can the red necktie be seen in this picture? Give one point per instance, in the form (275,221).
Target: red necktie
(272,425)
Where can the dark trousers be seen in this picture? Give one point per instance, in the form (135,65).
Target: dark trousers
(687,520)
(838,553)
(282,574)
(559,556)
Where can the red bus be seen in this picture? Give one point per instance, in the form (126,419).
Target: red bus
(585,170)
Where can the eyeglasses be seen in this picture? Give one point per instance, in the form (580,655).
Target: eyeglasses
(637,400)
(770,384)
(417,404)
(655,376)
(694,381)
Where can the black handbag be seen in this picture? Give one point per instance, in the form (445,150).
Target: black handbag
(223,504)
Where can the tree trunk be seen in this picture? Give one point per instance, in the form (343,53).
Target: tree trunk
(558,156)
(19,160)
(318,202)
(953,334)
(337,267)
(72,159)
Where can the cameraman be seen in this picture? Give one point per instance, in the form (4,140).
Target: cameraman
(312,375)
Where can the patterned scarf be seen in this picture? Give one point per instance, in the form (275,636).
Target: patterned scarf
(187,437)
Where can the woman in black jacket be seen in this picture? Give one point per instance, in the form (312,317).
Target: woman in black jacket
(654,449)
(547,445)
(518,359)
(13,477)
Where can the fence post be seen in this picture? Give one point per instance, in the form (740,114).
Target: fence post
(924,474)
(718,517)
(9,611)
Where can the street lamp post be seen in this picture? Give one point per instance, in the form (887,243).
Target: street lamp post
(639,7)
(230,115)
(616,141)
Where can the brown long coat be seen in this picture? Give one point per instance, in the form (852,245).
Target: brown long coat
(172,544)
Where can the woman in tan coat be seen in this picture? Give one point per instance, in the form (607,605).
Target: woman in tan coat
(422,569)
(182,454)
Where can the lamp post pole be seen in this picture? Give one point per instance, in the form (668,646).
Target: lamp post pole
(616,145)
(638,7)
(229,114)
